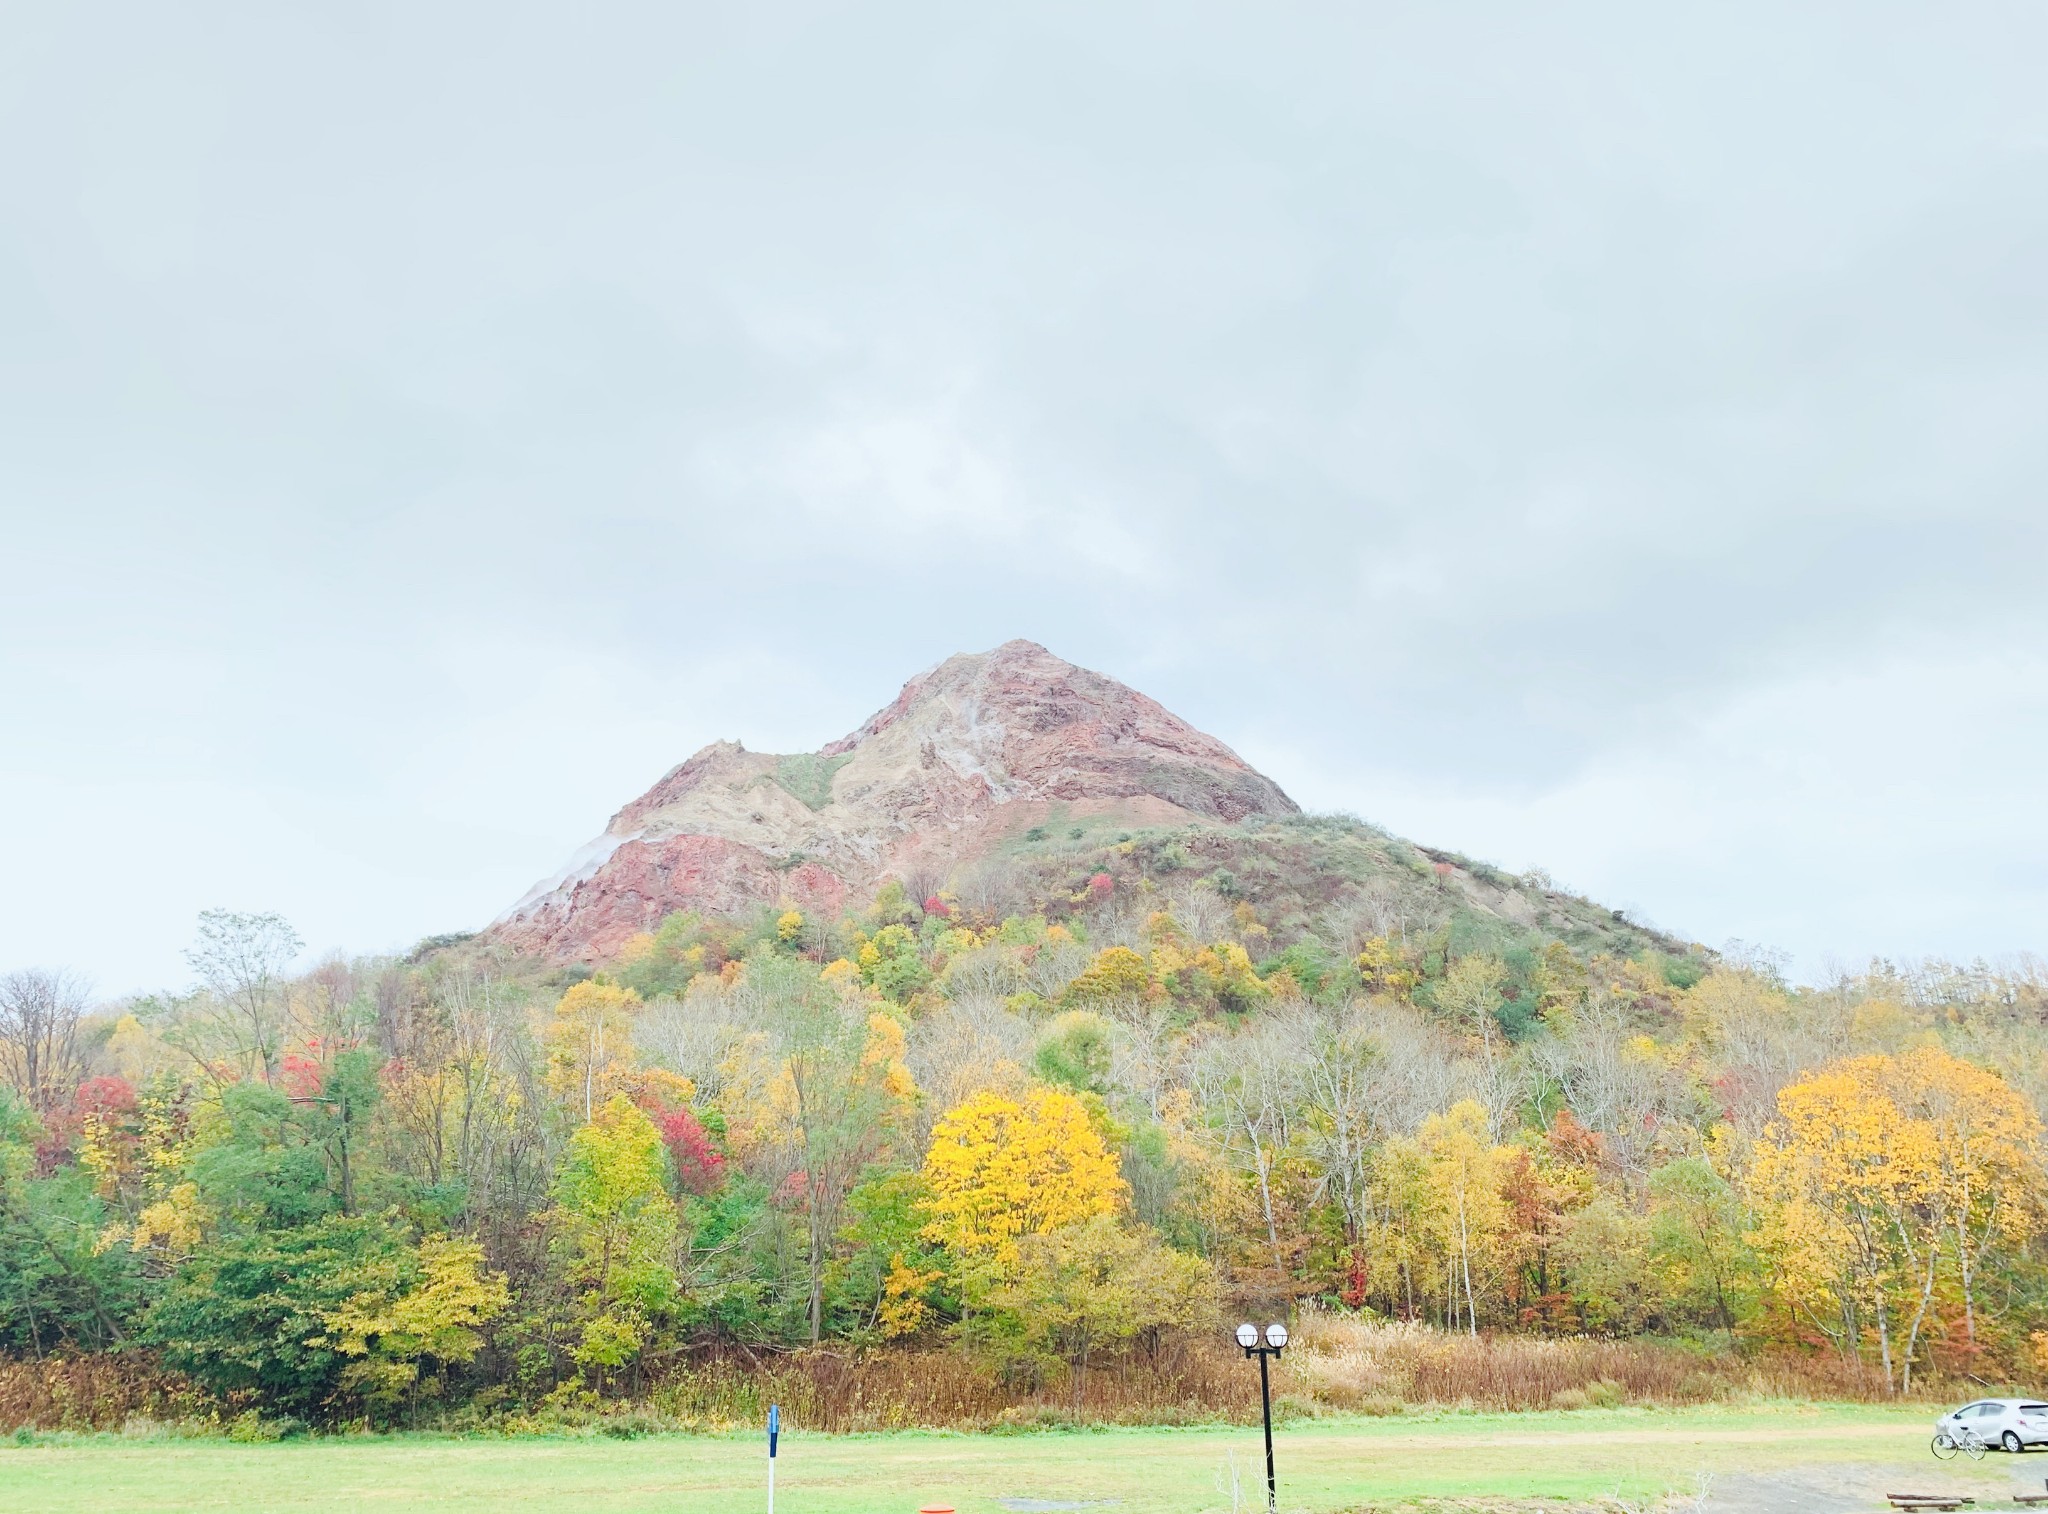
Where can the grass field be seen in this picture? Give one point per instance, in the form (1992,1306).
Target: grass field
(1755,1458)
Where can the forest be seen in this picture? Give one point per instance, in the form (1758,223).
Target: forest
(1024,1141)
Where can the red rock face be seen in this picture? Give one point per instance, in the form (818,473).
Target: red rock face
(970,752)
(644,882)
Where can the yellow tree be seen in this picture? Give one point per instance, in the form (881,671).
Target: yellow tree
(170,1218)
(1988,1142)
(1469,993)
(590,1041)
(1117,974)
(616,1222)
(1401,1260)
(426,1304)
(1385,968)
(999,1169)
(1876,1169)
(1463,1171)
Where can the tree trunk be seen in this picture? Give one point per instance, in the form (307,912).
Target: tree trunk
(817,1275)
(1969,1301)
(1266,1203)
(1465,1267)
(1884,1345)
(1919,1314)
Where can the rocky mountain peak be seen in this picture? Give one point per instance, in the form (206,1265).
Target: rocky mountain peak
(975,750)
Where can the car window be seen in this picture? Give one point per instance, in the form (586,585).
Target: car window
(1989,1411)
(2034,1408)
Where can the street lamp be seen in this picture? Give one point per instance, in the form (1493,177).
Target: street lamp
(1276,1342)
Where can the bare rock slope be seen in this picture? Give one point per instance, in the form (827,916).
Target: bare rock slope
(979,748)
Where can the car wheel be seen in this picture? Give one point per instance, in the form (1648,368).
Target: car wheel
(2011,1441)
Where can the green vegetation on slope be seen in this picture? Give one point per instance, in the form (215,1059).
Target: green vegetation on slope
(809,776)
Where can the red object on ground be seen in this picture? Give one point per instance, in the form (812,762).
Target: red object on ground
(936,1508)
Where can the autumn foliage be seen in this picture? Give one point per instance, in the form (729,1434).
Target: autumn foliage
(1043,1148)
(998,1169)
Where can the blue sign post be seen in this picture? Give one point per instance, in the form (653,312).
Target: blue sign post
(774,1430)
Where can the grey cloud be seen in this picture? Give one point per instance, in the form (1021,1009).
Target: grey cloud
(1462,400)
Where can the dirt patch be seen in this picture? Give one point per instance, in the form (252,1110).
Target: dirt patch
(1842,1488)
(1659,1436)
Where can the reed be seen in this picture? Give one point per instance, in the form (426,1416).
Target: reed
(1347,1362)
(1337,1364)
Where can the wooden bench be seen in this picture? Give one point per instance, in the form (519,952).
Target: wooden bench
(1917,1501)
(2028,1498)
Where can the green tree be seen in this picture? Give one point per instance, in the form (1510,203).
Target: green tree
(890,1270)
(1085,1287)
(1604,1250)
(839,1092)
(1469,993)
(616,1226)
(58,1286)
(890,962)
(1705,1267)
(1075,1052)
(252,1313)
(745,1261)
(347,1100)
(260,1163)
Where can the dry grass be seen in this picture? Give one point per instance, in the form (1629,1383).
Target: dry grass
(1351,1364)
(1348,1363)
(94,1393)
(937,1389)
(1337,1364)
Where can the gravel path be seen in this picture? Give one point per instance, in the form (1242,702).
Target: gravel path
(1847,1488)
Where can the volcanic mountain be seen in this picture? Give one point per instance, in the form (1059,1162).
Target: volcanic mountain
(979,749)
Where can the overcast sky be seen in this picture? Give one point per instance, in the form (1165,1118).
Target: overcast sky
(1602,437)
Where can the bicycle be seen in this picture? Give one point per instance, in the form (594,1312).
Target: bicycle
(1967,1441)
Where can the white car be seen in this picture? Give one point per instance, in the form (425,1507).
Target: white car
(2010,1424)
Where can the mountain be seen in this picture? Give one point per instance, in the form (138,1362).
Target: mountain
(981,750)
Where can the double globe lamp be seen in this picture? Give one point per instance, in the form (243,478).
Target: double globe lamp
(1275,1343)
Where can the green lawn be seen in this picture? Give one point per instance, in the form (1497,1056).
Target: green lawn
(1327,1465)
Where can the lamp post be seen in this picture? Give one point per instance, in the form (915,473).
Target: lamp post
(1275,1343)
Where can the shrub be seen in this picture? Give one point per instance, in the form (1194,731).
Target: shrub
(250,1428)
(306,1318)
